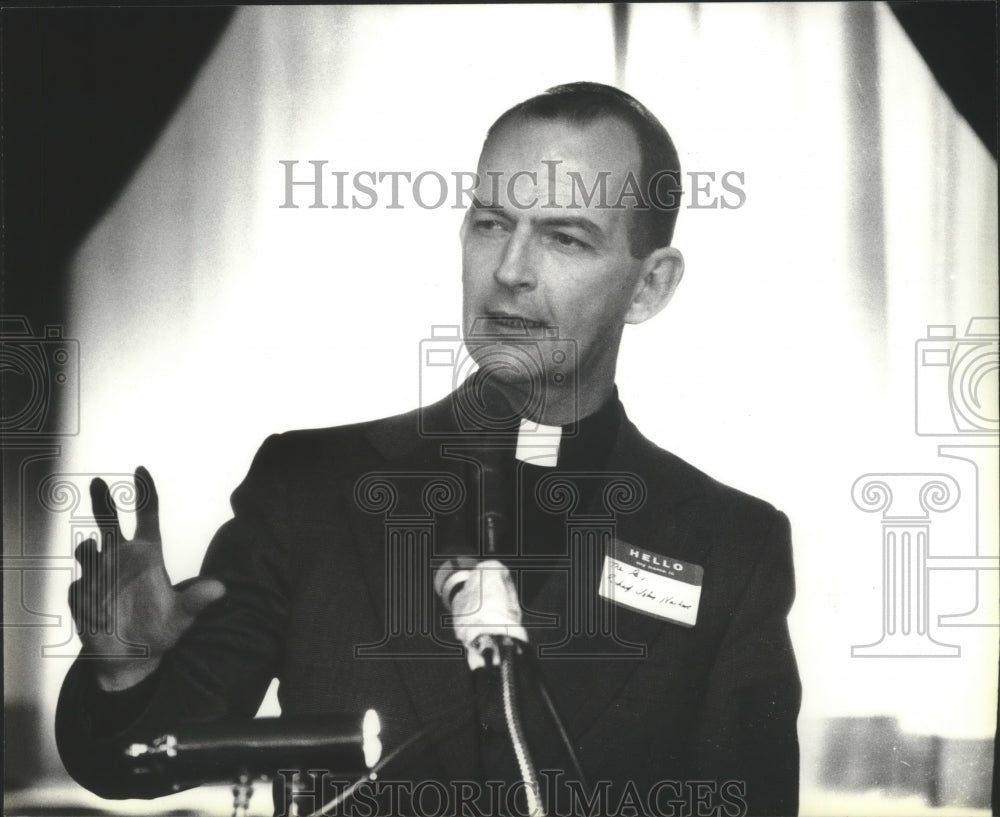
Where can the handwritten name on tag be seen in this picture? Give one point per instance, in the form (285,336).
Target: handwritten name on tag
(651,583)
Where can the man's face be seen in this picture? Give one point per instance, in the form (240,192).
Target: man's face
(535,255)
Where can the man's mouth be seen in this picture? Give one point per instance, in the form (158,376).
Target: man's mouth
(493,321)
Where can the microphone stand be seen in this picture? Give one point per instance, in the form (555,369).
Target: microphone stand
(497,536)
(532,792)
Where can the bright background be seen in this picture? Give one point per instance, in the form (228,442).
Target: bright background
(209,317)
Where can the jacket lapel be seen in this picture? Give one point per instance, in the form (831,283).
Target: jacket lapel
(590,685)
(399,529)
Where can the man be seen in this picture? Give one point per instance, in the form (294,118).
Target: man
(657,671)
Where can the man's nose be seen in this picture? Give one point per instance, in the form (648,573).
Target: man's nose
(516,267)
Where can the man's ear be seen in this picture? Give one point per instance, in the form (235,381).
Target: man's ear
(659,275)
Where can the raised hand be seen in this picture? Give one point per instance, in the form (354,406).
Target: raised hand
(126,611)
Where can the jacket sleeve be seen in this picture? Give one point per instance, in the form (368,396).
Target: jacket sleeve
(220,668)
(748,739)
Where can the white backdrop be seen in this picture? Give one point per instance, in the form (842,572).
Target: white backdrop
(209,317)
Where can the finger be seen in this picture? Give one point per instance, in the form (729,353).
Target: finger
(105,513)
(89,588)
(86,553)
(88,611)
(74,598)
(147,513)
(90,594)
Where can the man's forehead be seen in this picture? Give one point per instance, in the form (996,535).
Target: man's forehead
(530,152)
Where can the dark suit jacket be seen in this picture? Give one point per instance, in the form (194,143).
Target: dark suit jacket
(306,564)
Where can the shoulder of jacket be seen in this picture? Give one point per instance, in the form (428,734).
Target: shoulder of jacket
(690,485)
(343,447)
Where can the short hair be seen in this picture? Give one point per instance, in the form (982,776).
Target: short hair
(582,103)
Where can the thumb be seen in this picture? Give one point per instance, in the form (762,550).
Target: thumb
(199,594)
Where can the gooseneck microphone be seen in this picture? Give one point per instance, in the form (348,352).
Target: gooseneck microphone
(486,611)
(487,619)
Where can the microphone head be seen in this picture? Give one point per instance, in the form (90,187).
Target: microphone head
(450,577)
(483,599)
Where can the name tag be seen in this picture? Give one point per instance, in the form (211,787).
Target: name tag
(653,584)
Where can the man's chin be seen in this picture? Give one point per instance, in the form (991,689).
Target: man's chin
(507,376)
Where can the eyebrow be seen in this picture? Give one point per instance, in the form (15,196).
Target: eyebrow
(591,228)
(478,205)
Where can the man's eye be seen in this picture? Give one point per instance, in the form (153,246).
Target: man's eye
(489,226)
(569,242)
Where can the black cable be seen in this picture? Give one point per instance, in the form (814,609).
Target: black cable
(557,721)
(349,791)
(435,731)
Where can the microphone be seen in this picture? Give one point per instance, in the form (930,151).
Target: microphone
(223,751)
(486,613)
(482,599)
(498,498)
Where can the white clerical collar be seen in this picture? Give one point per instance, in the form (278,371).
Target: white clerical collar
(538,444)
